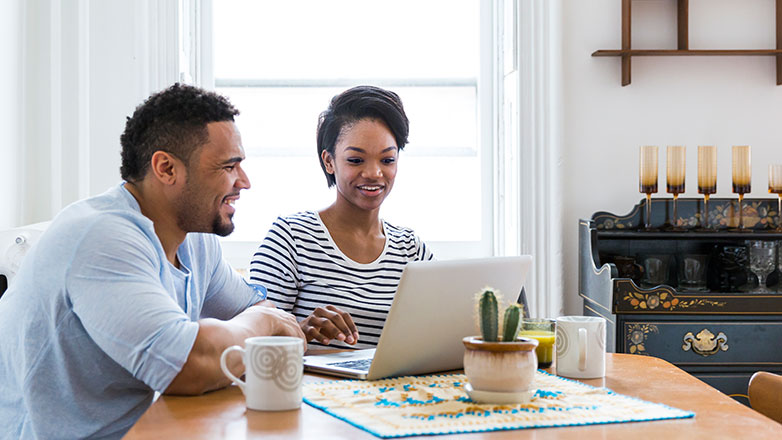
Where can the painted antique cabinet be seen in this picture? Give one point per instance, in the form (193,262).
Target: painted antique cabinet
(686,292)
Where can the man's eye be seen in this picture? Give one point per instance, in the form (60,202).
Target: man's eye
(230,167)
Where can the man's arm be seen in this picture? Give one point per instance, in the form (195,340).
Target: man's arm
(202,373)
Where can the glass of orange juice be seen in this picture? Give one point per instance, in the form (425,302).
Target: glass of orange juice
(544,330)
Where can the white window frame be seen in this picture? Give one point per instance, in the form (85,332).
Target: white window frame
(520,146)
(238,253)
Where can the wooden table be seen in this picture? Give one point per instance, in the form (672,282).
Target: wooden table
(222,414)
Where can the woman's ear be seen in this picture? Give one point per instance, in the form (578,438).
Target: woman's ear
(328,161)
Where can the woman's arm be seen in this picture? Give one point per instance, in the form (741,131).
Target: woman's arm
(274,266)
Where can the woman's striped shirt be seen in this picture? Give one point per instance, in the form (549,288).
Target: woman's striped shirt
(302,268)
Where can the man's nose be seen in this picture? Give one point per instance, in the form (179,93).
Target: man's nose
(243,182)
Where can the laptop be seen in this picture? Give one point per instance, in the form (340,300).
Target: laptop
(433,309)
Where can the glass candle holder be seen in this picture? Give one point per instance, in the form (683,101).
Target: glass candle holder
(742,177)
(675,171)
(707,179)
(647,178)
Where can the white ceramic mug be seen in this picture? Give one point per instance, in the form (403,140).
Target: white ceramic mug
(581,347)
(274,369)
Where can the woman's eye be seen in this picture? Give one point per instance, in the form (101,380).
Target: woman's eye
(389,160)
(354,160)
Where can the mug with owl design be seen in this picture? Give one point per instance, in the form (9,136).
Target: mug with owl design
(273,372)
(581,347)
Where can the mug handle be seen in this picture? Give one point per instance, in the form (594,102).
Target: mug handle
(225,369)
(582,349)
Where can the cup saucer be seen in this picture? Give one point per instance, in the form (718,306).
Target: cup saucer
(498,397)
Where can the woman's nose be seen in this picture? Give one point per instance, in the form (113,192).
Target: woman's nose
(372,170)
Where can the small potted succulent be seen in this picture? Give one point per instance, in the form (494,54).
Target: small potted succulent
(499,368)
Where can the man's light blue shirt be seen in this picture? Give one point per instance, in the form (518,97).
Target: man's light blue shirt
(97,319)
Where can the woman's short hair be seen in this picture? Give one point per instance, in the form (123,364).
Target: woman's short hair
(354,105)
(173,120)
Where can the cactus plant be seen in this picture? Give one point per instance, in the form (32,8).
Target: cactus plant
(511,322)
(488,317)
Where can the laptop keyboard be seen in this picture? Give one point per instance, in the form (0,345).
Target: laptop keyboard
(360,364)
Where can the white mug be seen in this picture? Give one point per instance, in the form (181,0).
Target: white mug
(274,369)
(581,347)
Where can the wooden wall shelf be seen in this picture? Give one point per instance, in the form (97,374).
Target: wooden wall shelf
(682,37)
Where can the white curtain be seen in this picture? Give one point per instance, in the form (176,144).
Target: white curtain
(528,160)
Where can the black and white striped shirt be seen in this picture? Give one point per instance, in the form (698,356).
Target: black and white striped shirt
(302,268)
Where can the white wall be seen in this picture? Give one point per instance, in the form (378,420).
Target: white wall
(11,20)
(690,101)
(76,69)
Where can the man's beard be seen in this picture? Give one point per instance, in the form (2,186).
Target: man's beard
(220,228)
(192,218)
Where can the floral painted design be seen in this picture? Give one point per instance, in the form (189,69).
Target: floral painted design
(615,223)
(760,214)
(665,301)
(637,335)
(757,215)
(651,301)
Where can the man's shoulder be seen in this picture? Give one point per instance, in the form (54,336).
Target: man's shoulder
(114,203)
(106,218)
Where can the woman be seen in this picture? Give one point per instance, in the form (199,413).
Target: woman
(337,269)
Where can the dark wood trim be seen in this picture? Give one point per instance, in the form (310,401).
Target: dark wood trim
(779,40)
(688,52)
(626,40)
(683,43)
(683,25)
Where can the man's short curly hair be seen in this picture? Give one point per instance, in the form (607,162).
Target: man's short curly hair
(173,120)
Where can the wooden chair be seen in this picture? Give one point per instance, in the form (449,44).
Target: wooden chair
(765,394)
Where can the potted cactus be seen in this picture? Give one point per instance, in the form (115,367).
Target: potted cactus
(499,365)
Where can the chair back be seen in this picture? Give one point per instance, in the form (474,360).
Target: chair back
(765,394)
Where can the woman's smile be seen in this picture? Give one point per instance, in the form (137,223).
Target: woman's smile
(371,190)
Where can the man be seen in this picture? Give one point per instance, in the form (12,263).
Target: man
(127,292)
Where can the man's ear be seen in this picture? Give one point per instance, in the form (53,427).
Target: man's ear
(165,167)
(328,161)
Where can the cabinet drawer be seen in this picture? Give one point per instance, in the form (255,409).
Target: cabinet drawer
(700,342)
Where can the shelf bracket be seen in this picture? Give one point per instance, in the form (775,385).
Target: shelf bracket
(779,40)
(683,25)
(626,41)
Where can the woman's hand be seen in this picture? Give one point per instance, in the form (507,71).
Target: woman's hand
(327,323)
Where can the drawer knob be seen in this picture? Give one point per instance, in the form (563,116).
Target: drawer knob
(705,343)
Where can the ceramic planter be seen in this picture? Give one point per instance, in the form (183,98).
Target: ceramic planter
(505,367)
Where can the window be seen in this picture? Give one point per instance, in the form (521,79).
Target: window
(280,63)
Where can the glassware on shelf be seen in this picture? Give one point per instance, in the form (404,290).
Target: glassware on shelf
(647,179)
(762,261)
(707,180)
(779,265)
(742,177)
(775,187)
(675,171)
(692,272)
